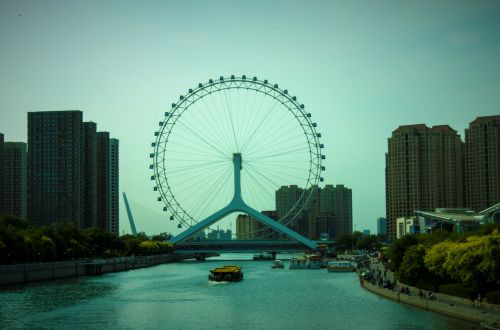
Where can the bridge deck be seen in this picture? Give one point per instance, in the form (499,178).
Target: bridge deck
(236,246)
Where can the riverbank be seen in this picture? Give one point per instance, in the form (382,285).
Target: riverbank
(24,273)
(479,315)
(487,315)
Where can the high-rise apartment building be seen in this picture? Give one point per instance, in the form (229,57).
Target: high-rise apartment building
(73,172)
(423,171)
(248,227)
(89,168)
(103,176)
(381,226)
(328,213)
(55,167)
(482,162)
(342,208)
(14,172)
(287,197)
(114,211)
(1,173)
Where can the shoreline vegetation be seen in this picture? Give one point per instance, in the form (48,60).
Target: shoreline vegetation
(454,274)
(20,242)
(462,265)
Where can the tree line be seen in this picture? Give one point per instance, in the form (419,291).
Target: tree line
(463,265)
(21,242)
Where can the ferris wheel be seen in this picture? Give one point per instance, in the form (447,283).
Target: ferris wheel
(235,138)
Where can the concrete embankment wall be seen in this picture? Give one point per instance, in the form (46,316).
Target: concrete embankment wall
(23,273)
(465,313)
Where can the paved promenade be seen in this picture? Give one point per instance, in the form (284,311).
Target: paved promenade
(488,315)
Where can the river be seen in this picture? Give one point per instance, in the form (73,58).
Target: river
(179,296)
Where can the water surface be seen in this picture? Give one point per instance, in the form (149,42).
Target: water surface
(179,296)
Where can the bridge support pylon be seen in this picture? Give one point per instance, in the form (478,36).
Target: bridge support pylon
(238,205)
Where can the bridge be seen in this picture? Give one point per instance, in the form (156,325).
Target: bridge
(244,246)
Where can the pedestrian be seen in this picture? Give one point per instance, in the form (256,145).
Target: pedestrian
(479,299)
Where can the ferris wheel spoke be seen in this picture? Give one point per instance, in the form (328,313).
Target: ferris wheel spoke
(215,118)
(253,109)
(189,188)
(252,131)
(202,154)
(272,144)
(221,122)
(267,178)
(188,169)
(282,153)
(231,120)
(260,186)
(202,206)
(268,113)
(243,118)
(201,171)
(224,119)
(207,122)
(215,148)
(282,165)
(194,143)
(281,179)
(270,131)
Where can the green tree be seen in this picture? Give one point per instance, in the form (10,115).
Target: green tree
(412,266)
(396,251)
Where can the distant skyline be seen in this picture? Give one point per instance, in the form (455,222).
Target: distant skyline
(361,68)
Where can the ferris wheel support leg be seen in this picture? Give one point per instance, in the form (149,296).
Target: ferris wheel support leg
(203,224)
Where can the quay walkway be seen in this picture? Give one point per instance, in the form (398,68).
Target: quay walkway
(487,315)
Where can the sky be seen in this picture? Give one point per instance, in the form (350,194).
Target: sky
(362,68)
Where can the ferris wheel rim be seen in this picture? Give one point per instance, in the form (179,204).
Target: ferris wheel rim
(214,86)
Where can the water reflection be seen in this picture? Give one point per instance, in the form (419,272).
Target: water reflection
(18,302)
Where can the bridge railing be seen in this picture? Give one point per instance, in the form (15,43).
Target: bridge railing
(238,246)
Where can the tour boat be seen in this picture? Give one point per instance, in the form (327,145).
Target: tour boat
(277,264)
(308,262)
(340,266)
(263,256)
(226,274)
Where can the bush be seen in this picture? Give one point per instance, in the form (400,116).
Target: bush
(493,297)
(428,282)
(457,289)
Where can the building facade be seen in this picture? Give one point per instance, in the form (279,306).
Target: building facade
(1,173)
(342,208)
(55,167)
(381,226)
(89,168)
(114,187)
(424,170)
(328,213)
(73,172)
(14,172)
(287,197)
(103,180)
(482,163)
(248,228)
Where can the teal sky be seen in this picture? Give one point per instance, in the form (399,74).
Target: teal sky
(362,68)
